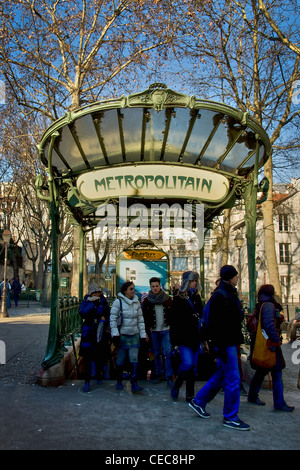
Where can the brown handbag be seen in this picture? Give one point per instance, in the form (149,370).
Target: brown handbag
(262,356)
(251,322)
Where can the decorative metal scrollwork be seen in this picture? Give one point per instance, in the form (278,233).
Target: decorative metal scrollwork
(240,188)
(263,188)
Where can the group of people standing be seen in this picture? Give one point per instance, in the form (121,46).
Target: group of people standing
(175,324)
(15,287)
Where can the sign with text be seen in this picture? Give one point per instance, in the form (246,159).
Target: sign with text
(153,180)
(143,254)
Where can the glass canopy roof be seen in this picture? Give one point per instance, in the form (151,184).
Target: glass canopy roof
(154,126)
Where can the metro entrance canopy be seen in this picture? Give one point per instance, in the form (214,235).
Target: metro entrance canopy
(156,145)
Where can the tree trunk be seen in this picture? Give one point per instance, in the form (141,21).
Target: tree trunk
(75,269)
(271,255)
(225,241)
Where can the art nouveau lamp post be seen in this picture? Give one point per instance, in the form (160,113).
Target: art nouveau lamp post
(239,241)
(6,239)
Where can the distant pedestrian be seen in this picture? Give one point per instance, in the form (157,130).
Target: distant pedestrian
(16,288)
(292,327)
(271,319)
(8,289)
(225,321)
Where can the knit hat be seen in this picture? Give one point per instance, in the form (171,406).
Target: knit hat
(93,288)
(187,277)
(228,272)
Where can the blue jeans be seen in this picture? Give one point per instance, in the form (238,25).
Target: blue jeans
(227,376)
(277,385)
(189,360)
(129,344)
(161,341)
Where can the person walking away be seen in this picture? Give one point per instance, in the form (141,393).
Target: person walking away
(8,289)
(186,312)
(156,310)
(127,336)
(225,324)
(269,310)
(16,288)
(293,326)
(94,310)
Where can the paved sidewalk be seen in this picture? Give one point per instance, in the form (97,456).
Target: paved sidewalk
(37,418)
(25,334)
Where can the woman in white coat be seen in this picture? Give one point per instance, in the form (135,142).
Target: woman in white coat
(126,310)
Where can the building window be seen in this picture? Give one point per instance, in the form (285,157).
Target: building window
(284,252)
(283,223)
(180,263)
(197,264)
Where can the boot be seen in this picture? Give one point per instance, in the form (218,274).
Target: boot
(119,374)
(190,388)
(176,386)
(134,385)
(87,387)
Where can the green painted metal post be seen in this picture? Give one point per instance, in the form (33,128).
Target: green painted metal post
(53,351)
(250,198)
(81,262)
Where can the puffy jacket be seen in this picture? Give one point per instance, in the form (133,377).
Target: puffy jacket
(270,317)
(92,311)
(133,320)
(270,322)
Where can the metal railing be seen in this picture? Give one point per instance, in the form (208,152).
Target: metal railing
(69,320)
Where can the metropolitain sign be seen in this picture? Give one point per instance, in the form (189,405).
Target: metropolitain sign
(153,180)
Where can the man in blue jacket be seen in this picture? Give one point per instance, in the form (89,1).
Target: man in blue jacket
(225,319)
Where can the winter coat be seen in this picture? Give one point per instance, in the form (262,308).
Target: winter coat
(133,320)
(270,322)
(16,286)
(270,317)
(184,321)
(150,316)
(225,318)
(91,313)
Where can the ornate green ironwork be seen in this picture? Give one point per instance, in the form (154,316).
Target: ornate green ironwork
(156,126)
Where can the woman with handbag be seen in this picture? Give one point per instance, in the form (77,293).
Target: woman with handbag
(266,355)
(126,334)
